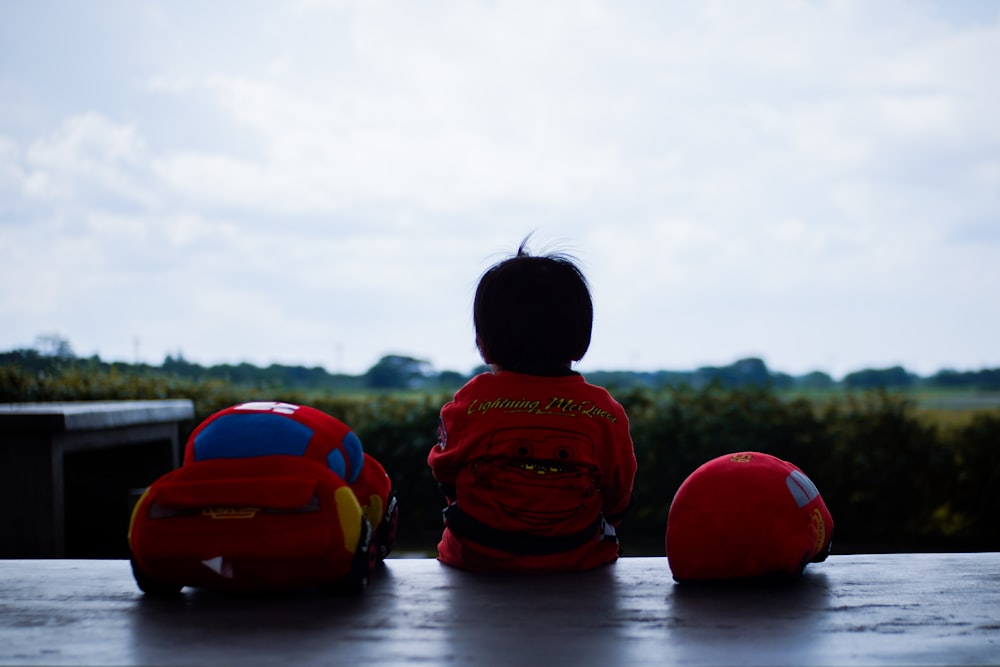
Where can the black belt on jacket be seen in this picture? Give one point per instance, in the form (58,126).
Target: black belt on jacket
(519,543)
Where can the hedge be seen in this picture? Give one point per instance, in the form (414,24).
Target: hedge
(892,480)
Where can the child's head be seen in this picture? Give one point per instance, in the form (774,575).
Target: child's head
(533,312)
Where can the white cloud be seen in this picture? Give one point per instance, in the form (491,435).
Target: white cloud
(89,158)
(810,182)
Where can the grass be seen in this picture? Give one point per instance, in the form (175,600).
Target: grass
(943,407)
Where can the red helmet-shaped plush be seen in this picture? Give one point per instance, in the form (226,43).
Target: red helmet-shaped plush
(746,515)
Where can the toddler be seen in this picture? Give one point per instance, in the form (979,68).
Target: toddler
(536,464)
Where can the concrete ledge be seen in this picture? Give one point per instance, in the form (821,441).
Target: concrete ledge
(89,415)
(903,609)
(67,470)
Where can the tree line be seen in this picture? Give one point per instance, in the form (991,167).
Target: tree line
(401,372)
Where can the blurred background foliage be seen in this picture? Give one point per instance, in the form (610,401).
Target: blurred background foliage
(897,471)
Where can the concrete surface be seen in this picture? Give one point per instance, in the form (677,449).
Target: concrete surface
(910,609)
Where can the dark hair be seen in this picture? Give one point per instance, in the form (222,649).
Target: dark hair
(532,312)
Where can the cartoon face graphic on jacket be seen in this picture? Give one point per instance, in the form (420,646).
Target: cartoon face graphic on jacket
(556,463)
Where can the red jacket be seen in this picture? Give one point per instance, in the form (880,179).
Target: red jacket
(536,471)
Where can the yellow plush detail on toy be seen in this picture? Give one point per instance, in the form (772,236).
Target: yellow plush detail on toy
(135,511)
(231,512)
(350,515)
(374,510)
(819,526)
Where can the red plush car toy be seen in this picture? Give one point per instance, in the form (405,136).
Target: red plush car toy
(270,496)
(746,515)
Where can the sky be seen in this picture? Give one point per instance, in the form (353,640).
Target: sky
(322,182)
